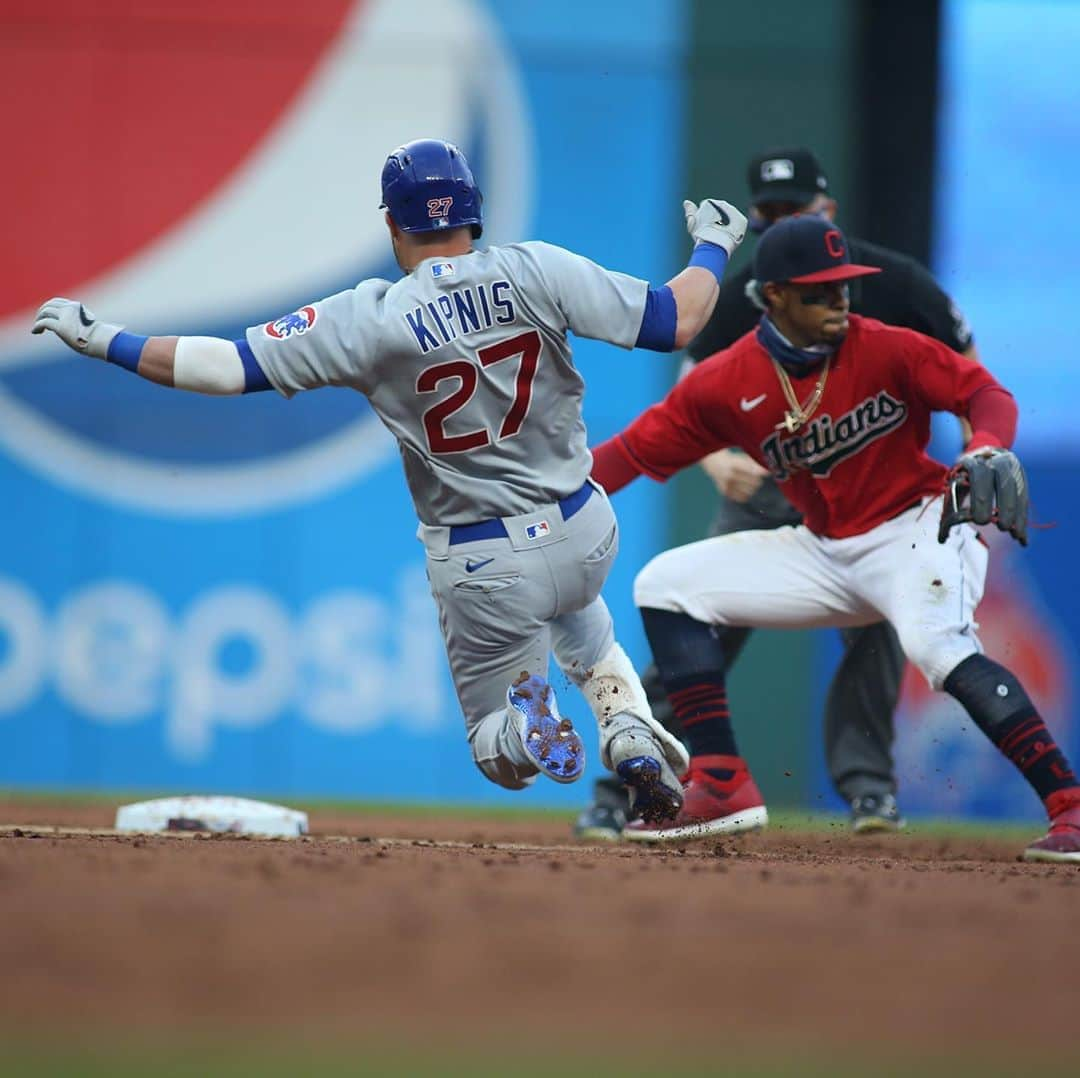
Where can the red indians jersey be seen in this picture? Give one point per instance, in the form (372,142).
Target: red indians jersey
(858,461)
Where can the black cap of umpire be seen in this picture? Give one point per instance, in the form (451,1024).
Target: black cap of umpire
(786,175)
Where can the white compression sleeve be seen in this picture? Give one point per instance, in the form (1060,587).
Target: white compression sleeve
(208,365)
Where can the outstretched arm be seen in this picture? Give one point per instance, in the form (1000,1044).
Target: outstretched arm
(992,416)
(199,364)
(689,423)
(718,228)
(677,312)
(614,465)
(695,291)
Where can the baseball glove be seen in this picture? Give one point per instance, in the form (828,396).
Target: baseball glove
(986,487)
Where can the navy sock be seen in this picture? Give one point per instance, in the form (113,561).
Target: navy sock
(701,706)
(690,660)
(1001,708)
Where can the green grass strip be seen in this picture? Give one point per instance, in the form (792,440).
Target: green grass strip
(225,1058)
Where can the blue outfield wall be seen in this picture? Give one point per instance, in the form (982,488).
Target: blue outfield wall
(227,595)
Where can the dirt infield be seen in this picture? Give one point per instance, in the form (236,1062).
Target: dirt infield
(411,926)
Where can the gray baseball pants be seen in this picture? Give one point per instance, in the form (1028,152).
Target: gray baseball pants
(506,603)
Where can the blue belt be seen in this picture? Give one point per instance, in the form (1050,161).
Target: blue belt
(496,529)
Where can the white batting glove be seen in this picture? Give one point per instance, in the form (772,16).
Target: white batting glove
(75,326)
(715,221)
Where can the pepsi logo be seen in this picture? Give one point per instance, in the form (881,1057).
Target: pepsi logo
(277,217)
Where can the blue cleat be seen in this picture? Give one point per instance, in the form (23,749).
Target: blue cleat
(649,761)
(549,740)
(655,792)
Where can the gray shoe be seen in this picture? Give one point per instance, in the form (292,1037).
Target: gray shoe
(600,822)
(644,762)
(875,812)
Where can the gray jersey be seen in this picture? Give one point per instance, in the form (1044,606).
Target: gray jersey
(466,361)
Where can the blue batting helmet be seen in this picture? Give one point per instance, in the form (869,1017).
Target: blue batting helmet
(427,185)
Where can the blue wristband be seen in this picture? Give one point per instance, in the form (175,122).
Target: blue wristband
(711,257)
(125,349)
(255,379)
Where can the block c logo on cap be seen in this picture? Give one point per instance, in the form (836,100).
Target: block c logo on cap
(834,243)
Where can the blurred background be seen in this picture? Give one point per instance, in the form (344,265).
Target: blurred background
(226,596)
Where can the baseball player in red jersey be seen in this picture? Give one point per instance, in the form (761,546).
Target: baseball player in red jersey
(838,409)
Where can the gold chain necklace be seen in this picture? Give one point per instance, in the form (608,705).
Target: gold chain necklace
(800,413)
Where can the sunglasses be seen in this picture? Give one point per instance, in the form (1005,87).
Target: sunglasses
(826,295)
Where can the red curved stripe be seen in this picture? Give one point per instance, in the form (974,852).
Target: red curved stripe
(122,115)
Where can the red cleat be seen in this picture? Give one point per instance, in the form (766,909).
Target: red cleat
(1062,843)
(711,806)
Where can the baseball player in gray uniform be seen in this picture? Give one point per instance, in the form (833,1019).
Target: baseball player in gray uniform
(466,361)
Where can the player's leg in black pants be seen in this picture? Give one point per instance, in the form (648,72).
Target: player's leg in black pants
(858,725)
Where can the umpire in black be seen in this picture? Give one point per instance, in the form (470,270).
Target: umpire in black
(861,700)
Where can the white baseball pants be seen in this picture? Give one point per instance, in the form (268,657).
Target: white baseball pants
(791,578)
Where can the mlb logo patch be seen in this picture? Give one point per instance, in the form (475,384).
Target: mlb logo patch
(779,168)
(442,269)
(291,324)
(538,530)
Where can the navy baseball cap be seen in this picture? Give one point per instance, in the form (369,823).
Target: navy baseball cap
(786,175)
(805,249)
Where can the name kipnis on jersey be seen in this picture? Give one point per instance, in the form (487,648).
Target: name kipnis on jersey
(826,442)
(461,311)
